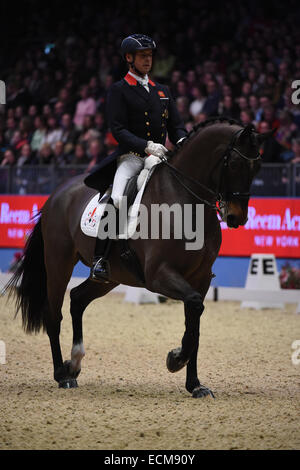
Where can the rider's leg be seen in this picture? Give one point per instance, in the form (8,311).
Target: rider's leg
(128,166)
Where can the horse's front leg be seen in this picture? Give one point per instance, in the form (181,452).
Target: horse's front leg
(188,352)
(173,285)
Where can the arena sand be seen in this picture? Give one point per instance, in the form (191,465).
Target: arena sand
(128,400)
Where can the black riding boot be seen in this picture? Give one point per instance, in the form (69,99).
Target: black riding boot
(100,270)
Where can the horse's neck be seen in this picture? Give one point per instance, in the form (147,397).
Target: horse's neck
(200,157)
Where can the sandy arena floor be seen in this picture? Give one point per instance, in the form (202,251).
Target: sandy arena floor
(128,400)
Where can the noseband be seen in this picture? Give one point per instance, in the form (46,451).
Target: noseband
(216,196)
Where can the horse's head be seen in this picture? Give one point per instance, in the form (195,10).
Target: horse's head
(241,162)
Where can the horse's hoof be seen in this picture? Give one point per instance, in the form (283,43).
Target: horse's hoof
(174,361)
(201,391)
(68,383)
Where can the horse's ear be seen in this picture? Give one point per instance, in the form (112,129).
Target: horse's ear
(261,138)
(245,134)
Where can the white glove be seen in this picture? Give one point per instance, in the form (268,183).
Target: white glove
(155,149)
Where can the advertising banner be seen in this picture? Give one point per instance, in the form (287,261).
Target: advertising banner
(16,213)
(273,226)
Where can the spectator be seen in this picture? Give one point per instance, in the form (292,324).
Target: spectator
(182,104)
(86,105)
(228,108)
(247,117)
(296,151)
(213,97)
(201,117)
(66,100)
(18,141)
(96,152)
(80,157)
(10,129)
(53,133)
(69,133)
(270,150)
(32,111)
(59,110)
(163,64)
(287,129)
(100,123)
(9,158)
(39,133)
(197,104)
(254,106)
(26,156)
(60,157)
(242,103)
(46,156)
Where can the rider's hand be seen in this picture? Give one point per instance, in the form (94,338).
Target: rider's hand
(158,150)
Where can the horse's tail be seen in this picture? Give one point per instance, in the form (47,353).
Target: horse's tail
(29,283)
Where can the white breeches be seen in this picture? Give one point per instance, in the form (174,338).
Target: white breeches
(128,165)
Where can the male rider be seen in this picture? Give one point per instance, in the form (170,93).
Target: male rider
(141,113)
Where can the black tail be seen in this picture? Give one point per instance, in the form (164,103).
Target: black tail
(29,283)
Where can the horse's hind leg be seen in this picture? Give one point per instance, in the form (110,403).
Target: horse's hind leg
(59,270)
(81,296)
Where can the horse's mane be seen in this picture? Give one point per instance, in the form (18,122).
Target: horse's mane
(201,125)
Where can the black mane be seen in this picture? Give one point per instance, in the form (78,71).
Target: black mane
(201,125)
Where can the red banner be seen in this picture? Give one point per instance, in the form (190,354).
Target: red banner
(16,213)
(273,227)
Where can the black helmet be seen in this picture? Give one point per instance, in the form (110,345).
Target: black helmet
(136,42)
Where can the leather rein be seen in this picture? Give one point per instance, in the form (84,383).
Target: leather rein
(216,195)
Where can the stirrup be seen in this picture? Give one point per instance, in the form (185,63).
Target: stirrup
(100,270)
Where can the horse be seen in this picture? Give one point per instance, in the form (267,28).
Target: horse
(213,166)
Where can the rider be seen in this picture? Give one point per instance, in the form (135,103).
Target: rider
(140,113)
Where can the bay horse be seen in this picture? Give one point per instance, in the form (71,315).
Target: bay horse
(216,162)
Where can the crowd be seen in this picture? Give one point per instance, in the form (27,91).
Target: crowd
(238,62)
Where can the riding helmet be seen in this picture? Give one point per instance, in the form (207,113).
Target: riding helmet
(136,42)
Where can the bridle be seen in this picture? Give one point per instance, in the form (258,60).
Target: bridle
(220,195)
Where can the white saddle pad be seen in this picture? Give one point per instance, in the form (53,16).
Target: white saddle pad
(91,217)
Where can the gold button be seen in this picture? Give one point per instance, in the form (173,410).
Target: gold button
(147,123)
(148,133)
(163,135)
(146,114)
(162,125)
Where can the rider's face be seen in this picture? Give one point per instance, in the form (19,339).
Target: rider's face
(142,61)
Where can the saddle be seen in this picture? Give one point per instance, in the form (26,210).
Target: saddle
(96,211)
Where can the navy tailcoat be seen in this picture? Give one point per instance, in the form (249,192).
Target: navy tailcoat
(136,116)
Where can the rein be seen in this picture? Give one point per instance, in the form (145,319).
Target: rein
(216,195)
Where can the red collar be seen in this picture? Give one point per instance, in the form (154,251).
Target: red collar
(132,81)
